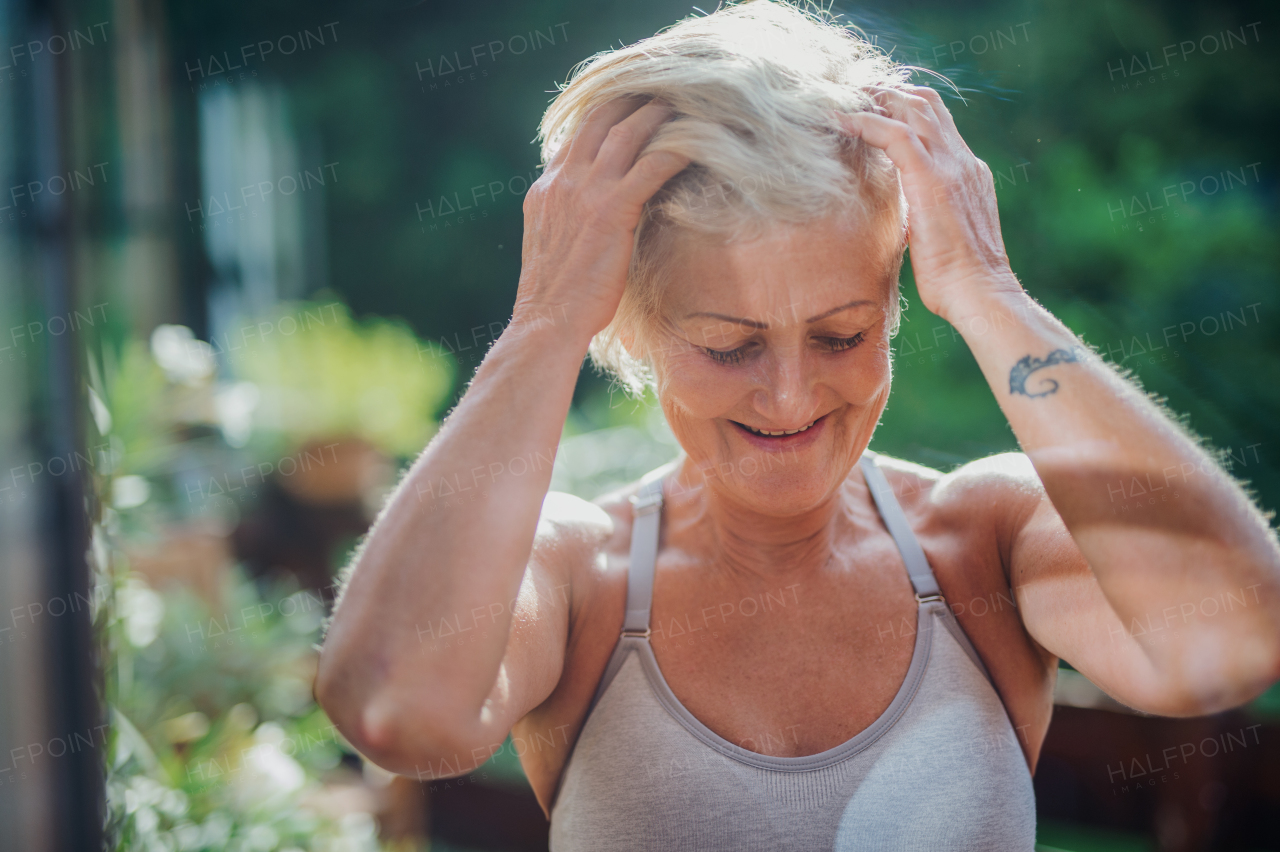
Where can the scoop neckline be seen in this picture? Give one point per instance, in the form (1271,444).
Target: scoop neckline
(920,654)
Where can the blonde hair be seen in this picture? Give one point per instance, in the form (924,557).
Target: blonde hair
(752,86)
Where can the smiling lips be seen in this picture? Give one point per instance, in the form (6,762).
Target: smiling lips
(768,434)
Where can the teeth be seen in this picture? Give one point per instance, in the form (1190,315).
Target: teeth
(776,434)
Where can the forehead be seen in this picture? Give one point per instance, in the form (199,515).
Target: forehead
(790,273)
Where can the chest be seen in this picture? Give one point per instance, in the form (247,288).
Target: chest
(791,666)
(945,765)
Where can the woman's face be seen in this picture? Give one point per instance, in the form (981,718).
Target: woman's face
(787,332)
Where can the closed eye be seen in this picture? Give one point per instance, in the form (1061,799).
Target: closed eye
(839,344)
(728,356)
(736,356)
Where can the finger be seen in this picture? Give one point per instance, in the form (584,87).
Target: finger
(626,139)
(937,103)
(591,135)
(648,175)
(912,109)
(561,154)
(896,138)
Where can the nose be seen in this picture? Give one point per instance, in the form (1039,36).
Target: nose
(787,392)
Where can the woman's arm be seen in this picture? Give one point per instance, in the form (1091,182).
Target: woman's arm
(1140,527)
(447,631)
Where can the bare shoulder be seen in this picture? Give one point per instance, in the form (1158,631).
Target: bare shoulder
(980,505)
(571,531)
(912,483)
(1003,489)
(581,540)
(995,484)
(1001,471)
(617,505)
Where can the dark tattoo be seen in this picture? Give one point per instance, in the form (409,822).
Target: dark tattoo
(1027,365)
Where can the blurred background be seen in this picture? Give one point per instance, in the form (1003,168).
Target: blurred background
(251,253)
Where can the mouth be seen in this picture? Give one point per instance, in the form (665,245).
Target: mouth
(782,439)
(766,433)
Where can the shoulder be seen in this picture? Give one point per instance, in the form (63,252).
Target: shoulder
(1003,489)
(988,499)
(585,544)
(566,545)
(911,483)
(1002,482)
(583,539)
(1001,470)
(570,530)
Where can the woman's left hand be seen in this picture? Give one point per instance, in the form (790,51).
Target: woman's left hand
(953,224)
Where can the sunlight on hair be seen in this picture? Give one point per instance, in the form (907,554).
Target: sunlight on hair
(753,86)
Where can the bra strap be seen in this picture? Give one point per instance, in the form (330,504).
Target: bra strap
(922,579)
(647,506)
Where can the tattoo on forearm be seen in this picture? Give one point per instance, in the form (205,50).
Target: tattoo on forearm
(1027,365)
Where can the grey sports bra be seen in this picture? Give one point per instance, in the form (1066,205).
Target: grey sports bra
(940,769)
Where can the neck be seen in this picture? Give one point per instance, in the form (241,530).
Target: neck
(744,541)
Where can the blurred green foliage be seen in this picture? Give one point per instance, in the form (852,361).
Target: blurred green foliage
(334,377)
(1074,131)
(215,740)
(1180,293)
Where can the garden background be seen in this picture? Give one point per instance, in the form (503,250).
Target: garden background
(251,253)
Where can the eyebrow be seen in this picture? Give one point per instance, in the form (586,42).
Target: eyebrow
(760,326)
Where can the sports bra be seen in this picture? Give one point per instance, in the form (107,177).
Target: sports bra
(940,769)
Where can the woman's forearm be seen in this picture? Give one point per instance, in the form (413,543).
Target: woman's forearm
(448,552)
(1161,525)
(452,545)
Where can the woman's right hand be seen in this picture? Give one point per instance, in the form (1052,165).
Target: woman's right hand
(580,217)
(434,558)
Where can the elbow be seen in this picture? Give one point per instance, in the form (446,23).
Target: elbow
(1250,667)
(1264,672)
(338,697)
(336,691)
(403,736)
(1214,683)
(352,703)
(398,732)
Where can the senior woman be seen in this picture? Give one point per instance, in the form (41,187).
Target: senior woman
(751,648)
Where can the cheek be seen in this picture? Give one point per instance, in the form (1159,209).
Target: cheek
(862,378)
(693,386)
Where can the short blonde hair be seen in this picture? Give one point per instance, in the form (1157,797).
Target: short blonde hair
(753,86)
